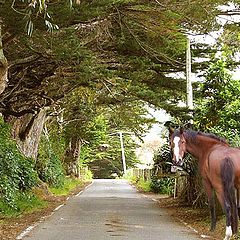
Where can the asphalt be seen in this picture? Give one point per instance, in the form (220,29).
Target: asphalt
(110,209)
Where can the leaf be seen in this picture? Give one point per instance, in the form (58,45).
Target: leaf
(29,27)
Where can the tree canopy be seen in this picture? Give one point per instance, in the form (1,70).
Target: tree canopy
(106,60)
(122,50)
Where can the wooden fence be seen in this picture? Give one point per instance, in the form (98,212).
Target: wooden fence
(146,174)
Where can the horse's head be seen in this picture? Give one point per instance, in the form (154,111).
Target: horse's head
(178,145)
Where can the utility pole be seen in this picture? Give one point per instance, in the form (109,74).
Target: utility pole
(188,76)
(122,148)
(123,153)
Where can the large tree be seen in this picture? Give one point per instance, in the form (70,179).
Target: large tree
(122,51)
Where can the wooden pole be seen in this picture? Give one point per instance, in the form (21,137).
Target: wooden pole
(188,76)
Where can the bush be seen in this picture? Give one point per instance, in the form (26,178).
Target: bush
(162,159)
(49,167)
(162,185)
(16,171)
(51,171)
(25,202)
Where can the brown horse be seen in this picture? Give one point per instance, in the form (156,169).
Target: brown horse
(219,165)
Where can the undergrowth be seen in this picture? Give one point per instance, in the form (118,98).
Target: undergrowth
(24,203)
(156,185)
(68,185)
(16,171)
(140,183)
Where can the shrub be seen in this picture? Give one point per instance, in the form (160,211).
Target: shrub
(16,171)
(49,167)
(162,185)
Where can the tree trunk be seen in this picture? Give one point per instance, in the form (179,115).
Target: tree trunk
(3,63)
(71,160)
(27,132)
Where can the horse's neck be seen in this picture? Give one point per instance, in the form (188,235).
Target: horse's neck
(200,147)
(193,149)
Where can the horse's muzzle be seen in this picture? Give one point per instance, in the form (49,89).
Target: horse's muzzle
(177,163)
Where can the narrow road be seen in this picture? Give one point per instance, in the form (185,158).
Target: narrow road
(110,209)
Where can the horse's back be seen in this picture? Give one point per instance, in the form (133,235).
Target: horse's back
(225,153)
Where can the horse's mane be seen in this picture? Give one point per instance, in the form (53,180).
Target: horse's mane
(193,134)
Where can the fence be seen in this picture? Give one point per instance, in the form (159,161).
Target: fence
(146,174)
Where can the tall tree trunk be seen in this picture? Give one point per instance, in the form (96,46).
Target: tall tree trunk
(3,62)
(27,132)
(71,160)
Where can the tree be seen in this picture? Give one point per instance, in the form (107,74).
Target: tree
(104,150)
(120,51)
(124,38)
(218,103)
(3,63)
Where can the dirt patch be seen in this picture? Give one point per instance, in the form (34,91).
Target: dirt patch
(11,228)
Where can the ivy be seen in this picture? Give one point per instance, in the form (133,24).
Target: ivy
(49,166)
(16,171)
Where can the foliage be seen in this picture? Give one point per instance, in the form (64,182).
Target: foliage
(216,111)
(24,203)
(49,166)
(144,185)
(231,135)
(106,57)
(103,152)
(162,165)
(191,188)
(141,183)
(112,48)
(163,185)
(162,159)
(218,103)
(68,185)
(16,171)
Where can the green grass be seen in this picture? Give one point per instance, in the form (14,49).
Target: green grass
(68,186)
(30,202)
(141,183)
(26,203)
(144,185)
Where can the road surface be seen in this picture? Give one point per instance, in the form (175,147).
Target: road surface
(110,209)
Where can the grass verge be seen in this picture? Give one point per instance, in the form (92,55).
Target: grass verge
(25,203)
(141,184)
(69,185)
(37,199)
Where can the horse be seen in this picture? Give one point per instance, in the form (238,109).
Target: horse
(219,166)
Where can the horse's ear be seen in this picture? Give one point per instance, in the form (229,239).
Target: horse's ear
(181,130)
(171,130)
(188,125)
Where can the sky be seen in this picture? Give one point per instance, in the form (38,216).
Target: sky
(155,132)
(152,140)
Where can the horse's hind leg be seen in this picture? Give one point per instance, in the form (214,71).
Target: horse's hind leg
(213,211)
(228,233)
(226,206)
(227,195)
(211,201)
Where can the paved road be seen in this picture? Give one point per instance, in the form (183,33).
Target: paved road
(110,209)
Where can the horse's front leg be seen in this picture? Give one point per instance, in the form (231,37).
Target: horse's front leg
(211,202)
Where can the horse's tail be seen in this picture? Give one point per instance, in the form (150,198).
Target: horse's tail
(227,174)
